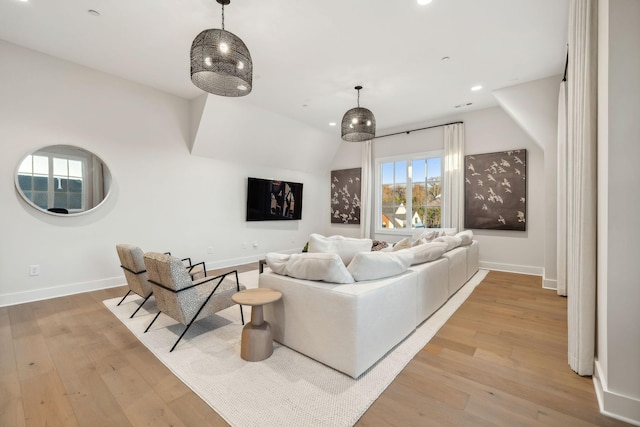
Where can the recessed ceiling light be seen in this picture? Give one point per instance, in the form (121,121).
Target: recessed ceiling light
(423,2)
(23,1)
(332,124)
(476,88)
(93,12)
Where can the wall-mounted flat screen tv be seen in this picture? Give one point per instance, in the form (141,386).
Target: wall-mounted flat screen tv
(271,200)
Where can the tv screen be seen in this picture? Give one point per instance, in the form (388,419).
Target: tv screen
(271,200)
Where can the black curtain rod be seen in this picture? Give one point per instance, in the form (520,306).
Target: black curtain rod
(415,130)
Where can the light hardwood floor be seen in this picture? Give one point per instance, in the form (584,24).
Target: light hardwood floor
(500,360)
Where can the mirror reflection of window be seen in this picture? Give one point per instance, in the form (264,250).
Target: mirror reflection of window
(63,179)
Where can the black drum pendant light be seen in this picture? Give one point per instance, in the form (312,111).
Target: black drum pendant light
(220,62)
(358,124)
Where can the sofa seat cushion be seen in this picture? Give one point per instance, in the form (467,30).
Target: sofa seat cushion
(345,247)
(457,268)
(378,265)
(432,287)
(347,327)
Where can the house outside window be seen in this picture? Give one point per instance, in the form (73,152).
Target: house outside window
(409,192)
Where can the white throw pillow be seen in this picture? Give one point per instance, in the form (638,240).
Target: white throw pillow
(451,241)
(448,231)
(418,242)
(346,247)
(318,266)
(277,262)
(431,233)
(425,233)
(378,265)
(427,252)
(402,244)
(466,237)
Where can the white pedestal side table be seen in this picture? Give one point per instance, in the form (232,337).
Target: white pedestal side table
(257,343)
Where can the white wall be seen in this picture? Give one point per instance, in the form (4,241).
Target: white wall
(618,340)
(534,106)
(163,198)
(232,129)
(486,131)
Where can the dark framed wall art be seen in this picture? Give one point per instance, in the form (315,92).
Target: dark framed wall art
(345,196)
(495,190)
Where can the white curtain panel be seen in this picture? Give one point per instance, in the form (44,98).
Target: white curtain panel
(562,191)
(453,177)
(366,186)
(581,185)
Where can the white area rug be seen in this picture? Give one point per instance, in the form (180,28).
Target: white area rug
(288,389)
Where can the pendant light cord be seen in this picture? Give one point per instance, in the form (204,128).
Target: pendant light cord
(223,16)
(358,98)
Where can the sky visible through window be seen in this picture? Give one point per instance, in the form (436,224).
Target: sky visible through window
(432,164)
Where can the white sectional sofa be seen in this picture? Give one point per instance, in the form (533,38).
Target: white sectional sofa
(350,326)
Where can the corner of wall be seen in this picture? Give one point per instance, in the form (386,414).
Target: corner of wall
(620,407)
(196,109)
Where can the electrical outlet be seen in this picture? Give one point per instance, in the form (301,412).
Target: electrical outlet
(210,250)
(34,270)
(255,244)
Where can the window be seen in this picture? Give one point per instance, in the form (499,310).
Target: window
(53,180)
(409,192)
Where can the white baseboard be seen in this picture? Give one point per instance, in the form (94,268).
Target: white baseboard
(59,291)
(620,407)
(512,268)
(550,284)
(77,288)
(213,265)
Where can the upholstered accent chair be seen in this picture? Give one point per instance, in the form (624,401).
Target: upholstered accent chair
(132,262)
(184,299)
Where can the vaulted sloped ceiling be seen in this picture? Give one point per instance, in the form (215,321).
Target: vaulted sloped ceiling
(232,129)
(307,58)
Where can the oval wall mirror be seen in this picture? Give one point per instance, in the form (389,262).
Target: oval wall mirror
(63,180)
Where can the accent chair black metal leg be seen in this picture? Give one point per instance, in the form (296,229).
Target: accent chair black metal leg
(238,288)
(181,335)
(140,306)
(154,319)
(125,295)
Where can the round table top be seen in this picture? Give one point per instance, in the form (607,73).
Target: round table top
(257,296)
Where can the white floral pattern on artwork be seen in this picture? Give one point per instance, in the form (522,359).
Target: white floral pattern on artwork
(345,196)
(495,190)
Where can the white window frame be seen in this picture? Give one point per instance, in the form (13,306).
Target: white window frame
(409,158)
(52,180)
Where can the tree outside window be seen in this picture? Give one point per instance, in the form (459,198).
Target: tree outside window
(410,193)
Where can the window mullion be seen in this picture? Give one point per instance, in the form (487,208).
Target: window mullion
(50,184)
